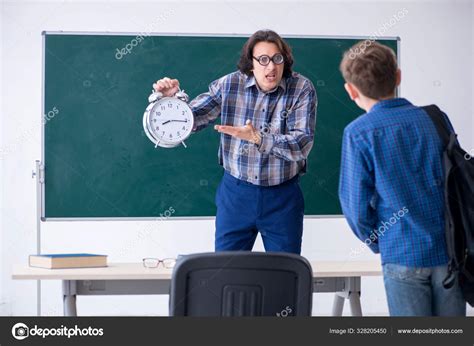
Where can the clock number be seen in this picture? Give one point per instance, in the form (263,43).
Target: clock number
(184,113)
(170,105)
(163,108)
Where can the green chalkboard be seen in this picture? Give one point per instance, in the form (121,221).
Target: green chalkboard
(97,159)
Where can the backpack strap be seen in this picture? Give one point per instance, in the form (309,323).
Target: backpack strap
(446,136)
(438,119)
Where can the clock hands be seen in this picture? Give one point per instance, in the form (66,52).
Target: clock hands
(174,120)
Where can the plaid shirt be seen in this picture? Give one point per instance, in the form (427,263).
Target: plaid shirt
(285,117)
(391,184)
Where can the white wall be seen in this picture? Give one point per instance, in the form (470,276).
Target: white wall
(2,305)
(436,59)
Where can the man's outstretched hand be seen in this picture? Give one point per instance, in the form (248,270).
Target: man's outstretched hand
(247,132)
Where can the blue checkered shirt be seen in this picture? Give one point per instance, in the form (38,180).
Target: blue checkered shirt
(285,117)
(391,184)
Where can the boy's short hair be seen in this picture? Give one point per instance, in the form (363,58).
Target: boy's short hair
(371,67)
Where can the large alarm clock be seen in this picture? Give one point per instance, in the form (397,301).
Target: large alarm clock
(168,121)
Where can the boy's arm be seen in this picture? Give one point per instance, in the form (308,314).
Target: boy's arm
(356,190)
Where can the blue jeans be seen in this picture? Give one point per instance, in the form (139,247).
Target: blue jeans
(420,292)
(244,209)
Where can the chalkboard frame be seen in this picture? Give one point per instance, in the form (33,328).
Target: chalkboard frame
(41,203)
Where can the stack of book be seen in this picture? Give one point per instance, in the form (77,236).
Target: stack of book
(75,260)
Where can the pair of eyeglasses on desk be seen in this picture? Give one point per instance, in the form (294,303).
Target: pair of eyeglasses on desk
(168,263)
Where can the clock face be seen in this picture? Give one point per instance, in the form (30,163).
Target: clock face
(169,121)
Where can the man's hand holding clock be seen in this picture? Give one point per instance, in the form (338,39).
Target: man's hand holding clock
(167,86)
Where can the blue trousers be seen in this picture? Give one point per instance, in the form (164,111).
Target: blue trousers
(244,210)
(420,292)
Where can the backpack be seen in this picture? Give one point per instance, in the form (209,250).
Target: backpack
(459,206)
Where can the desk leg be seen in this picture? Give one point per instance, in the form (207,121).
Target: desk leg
(354,301)
(69,298)
(70,306)
(350,291)
(338,305)
(354,289)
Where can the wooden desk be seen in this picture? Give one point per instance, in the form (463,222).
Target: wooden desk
(342,278)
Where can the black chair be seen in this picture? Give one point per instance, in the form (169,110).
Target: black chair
(241,283)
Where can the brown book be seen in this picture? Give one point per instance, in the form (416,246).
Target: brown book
(74,260)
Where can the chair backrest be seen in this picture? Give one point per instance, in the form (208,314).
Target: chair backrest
(241,283)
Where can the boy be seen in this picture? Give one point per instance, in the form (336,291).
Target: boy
(391,186)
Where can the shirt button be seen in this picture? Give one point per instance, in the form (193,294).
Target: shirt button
(256,177)
(263,110)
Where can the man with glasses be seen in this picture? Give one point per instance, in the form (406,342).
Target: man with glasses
(268,117)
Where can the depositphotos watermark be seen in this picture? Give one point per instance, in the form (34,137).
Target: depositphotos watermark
(380,232)
(468,156)
(127,49)
(267,128)
(21,331)
(146,231)
(26,135)
(380,32)
(285,312)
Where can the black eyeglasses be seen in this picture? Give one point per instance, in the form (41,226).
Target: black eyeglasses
(168,263)
(264,60)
